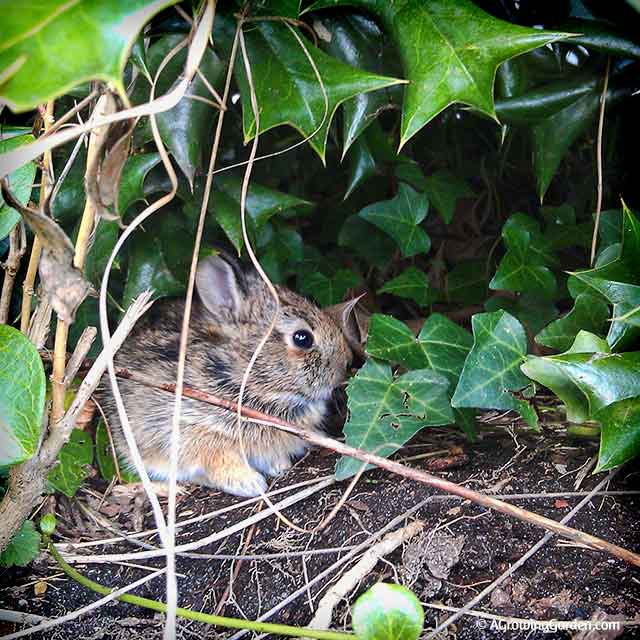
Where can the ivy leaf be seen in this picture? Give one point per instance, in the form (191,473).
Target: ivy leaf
(618,280)
(328,290)
(467,282)
(554,135)
(492,368)
(387,612)
(73,462)
(362,166)
(357,41)
(385,413)
(22,395)
(620,435)
(412,284)
(22,548)
(450,50)
(533,312)
(587,382)
(37,62)
(589,313)
(150,268)
(523,268)
(185,129)
(20,183)
(444,189)
(261,205)
(378,247)
(134,173)
(441,346)
(400,218)
(287,89)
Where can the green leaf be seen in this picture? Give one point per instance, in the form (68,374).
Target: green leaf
(587,382)
(378,247)
(387,612)
(523,268)
(20,183)
(185,129)
(554,135)
(50,49)
(385,413)
(73,462)
(412,284)
(287,89)
(106,236)
(533,312)
(400,218)
(599,36)
(618,280)
(134,172)
(444,189)
(357,41)
(467,282)
(620,435)
(441,346)
(450,50)
(328,290)
(22,392)
(23,547)
(492,368)
(362,166)
(150,268)
(262,204)
(589,313)
(104,458)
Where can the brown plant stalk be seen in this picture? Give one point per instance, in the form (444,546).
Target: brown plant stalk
(395,467)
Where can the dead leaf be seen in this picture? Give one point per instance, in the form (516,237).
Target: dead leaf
(560,504)
(40,588)
(63,285)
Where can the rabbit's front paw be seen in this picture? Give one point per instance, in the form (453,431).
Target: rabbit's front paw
(248,485)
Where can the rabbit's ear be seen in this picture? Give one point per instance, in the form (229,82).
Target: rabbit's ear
(219,284)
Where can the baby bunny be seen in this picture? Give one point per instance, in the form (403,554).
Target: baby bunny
(303,361)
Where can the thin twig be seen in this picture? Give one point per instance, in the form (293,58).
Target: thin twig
(27,480)
(514,567)
(83,346)
(17,248)
(599,161)
(418,475)
(36,247)
(214,537)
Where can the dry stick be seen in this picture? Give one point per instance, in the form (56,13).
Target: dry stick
(194,55)
(36,247)
(364,566)
(64,547)
(17,247)
(27,480)
(514,567)
(603,100)
(214,537)
(96,141)
(400,469)
(363,546)
(182,351)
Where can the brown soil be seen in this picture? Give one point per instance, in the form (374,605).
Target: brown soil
(560,582)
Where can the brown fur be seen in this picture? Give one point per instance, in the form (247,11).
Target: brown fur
(286,381)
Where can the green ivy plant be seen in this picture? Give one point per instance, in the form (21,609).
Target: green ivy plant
(441,171)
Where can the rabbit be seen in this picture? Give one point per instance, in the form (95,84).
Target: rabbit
(305,358)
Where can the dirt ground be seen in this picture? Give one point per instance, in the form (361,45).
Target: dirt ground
(464,545)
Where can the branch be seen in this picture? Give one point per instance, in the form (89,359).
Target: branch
(27,480)
(396,467)
(17,248)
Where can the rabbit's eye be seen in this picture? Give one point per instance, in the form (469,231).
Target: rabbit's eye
(303,339)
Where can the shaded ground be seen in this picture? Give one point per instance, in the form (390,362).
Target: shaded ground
(559,582)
